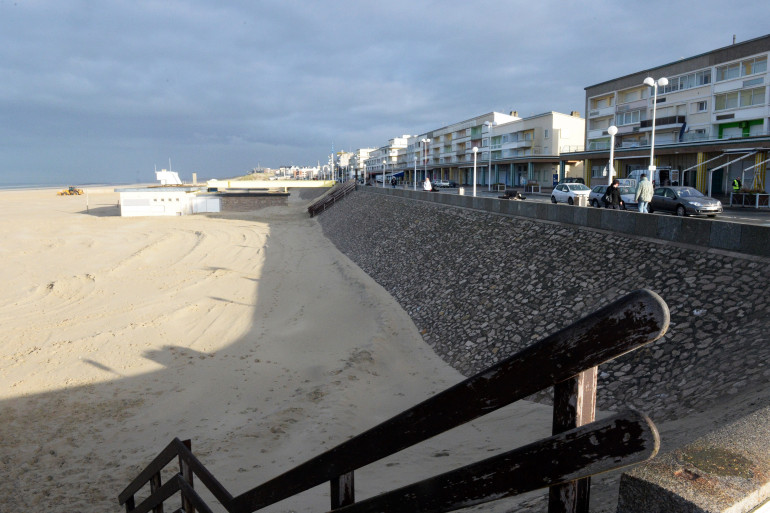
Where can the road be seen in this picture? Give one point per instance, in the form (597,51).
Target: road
(759,217)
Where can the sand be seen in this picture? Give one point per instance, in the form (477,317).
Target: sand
(249,334)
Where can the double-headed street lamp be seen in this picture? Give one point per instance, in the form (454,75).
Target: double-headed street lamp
(663,81)
(475,151)
(425,143)
(611,169)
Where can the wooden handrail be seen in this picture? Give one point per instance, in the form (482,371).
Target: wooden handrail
(601,446)
(560,359)
(337,192)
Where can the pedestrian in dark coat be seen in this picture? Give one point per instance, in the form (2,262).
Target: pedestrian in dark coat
(612,197)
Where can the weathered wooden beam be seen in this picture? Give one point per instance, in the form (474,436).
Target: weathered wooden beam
(343,491)
(598,447)
(574,405)
(187,475)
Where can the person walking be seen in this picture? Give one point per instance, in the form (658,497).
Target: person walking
(612,196)
(737,185)
(643,194)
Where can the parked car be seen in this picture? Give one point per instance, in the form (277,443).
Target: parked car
(626,194)
(452,184)
(684,201)
(441,183)
(568,192)
(573,179)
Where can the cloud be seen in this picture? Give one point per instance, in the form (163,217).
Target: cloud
(221,86)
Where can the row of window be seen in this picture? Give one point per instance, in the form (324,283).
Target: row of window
(731,71)
(743,98)
(698,79)
(742,69)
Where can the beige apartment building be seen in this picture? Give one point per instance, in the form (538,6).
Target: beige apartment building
(510,150)
(711,121)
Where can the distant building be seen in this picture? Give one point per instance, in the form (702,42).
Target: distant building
(712,120)
(511,150)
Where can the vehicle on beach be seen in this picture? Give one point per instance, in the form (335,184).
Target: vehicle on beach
(70,191)
(684,201)
(569,192)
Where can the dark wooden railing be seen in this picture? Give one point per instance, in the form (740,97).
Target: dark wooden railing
(579,448)
(336,193)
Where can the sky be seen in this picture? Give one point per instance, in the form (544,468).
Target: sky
(107,91)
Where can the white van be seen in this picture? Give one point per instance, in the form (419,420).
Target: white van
(663,175)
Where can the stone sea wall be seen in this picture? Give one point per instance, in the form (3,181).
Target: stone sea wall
(481,286)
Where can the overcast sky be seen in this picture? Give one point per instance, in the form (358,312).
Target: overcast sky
(104,91)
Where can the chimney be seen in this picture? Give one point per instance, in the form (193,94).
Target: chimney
(515,113)
(575,114)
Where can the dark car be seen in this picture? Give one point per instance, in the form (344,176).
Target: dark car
(452,183)
(684,201)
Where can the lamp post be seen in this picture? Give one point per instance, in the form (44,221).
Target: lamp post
(425,143)
(489,125)
(384,162)
(611,169)
(415,171)
(475,151)
(663,81)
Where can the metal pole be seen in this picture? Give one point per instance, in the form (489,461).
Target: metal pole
(475,151)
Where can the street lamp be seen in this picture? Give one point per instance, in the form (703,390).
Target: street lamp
(425,143)
(611,169)
(662,81)
(475,151)
(489,125)
(383,173)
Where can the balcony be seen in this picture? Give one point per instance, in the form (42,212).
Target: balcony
(661,122)
(600,113)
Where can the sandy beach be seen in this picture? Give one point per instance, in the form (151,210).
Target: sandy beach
(248,333)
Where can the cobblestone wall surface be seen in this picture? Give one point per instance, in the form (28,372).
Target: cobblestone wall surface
(482,286)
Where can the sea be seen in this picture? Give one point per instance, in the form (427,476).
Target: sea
(11,186)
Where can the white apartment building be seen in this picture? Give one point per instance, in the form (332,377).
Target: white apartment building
(712,120)
(511,150)
(358,162)
(385,158)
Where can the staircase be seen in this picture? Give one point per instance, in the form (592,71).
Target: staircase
(336,193)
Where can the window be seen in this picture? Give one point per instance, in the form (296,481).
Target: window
(687,82)
(628,118)
(701,106)
(601,103)
(742,69)
(632,96)
(546,133)
(744,98)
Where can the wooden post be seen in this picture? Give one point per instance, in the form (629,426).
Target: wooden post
(155,485)
(187,475)
(343,491)
(574,404)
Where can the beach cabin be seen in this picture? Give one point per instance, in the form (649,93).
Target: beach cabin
(166,201)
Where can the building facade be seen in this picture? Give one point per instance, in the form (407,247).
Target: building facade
(511,151)
(712,121)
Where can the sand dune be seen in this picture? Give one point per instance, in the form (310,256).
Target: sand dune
(250,334)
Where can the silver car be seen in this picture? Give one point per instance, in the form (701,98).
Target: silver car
(684,201)
(626,194)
